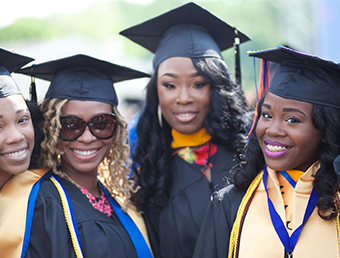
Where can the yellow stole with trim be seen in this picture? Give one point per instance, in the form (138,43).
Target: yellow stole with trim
(13,210)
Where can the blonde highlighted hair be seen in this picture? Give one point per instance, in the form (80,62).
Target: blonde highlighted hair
(113,171)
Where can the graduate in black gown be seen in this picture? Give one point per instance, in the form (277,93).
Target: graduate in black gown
(191,128)
(82,208)
(284,200)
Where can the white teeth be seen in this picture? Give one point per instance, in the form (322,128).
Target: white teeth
(273,148)
(85,153)
(185,114)
(15,154)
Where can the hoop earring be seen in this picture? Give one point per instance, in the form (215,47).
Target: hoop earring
(159,112)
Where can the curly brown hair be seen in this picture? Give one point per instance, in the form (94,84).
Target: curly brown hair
(113,171)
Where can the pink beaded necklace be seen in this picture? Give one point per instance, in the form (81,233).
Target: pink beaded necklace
(102,204)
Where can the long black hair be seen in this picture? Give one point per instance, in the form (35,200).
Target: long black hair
(37,120)
(325,119)
(227,121)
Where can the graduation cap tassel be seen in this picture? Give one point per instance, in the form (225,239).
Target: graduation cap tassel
(264,82)
(237,57)
(33,91)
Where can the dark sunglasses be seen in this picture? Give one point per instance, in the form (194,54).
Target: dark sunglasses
(102,126)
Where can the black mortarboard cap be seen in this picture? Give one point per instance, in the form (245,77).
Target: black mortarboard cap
(187,31)
(303,77)
(10,61)
(81,77)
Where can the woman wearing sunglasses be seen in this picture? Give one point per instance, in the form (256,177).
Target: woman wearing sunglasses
(83,209)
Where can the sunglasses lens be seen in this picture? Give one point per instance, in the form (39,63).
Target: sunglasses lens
(71,127)
(103,125)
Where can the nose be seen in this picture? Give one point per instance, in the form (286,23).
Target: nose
(87,136)
(14,135)
(276,128)
(184,96)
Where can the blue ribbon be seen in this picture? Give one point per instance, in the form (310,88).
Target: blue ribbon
(141,247)
(30,212)
(288,242)
(288,178)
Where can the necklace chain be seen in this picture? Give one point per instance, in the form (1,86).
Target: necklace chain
(101,204)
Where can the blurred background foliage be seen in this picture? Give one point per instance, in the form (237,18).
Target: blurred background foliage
(267,23)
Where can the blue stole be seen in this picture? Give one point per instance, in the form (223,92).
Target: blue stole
(30,211)
(288,242)
(136,236)
(141,247)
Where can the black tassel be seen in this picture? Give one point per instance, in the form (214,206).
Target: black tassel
(33,91)
(237,57)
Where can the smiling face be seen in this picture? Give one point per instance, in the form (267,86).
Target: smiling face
(84,154)
(184,95)
(16,136)
(286,134)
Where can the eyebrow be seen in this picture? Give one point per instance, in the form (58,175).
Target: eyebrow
(285,109)
(293,110)
(17,112)
(173,75)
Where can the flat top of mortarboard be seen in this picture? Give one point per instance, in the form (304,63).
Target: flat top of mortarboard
(12,60)
(303,77)
(149,33)
(281,54)
(82,77)
(49,69)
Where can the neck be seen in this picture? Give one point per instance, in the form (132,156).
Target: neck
(4,177)
(189,140)
(87,180)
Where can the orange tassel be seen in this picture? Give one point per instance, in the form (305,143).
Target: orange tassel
(262,89)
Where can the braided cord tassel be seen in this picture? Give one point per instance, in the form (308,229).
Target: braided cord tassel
(235,232)
(68,218)
(338,218)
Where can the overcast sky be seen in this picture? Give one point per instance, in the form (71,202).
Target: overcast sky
(14,9)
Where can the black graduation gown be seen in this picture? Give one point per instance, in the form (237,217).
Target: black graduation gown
(213,240)
(100,236)
(174,228)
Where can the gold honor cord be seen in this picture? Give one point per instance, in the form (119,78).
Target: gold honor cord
(235,232)
(68,218)
(338,217)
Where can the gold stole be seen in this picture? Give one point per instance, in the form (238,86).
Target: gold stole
(189,140)
(13,209)
(258,237)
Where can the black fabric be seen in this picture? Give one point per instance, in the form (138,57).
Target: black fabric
(10,61)
(303,77)
(213,240)
(174,228)
(13,60)
(82,77)
(100,236)
(186,31)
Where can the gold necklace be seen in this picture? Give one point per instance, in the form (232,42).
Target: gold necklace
(101,204)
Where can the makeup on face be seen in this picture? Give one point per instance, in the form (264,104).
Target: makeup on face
(286,133)
(184,95)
